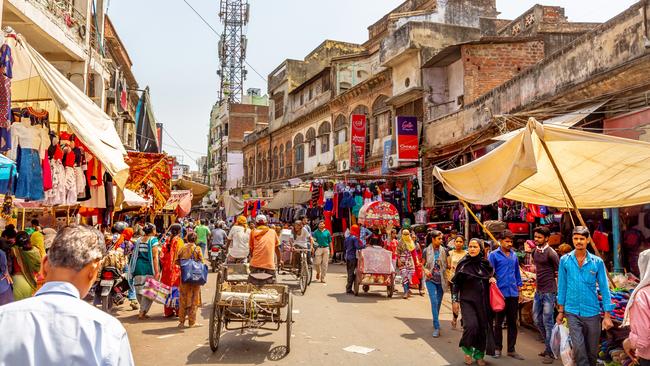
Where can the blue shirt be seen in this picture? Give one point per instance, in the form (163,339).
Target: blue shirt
(352,244)
(4,282)
(365,234)
(55,327)
(506,269)
(576,287)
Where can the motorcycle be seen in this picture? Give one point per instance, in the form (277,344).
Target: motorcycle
(217,257)
(111,288)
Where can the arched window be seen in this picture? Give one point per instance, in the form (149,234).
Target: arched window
(381,124)
(267,165)
(362,109)
(281,174)
(251,170)
(311,141)
(258,169)
(289,159)
(340,130)
(299,153)
(324,135)
(275,164)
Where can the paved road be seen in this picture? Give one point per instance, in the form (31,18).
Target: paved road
(326,321)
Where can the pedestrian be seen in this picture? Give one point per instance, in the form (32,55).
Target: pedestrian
(506,267)
(391,246)
(435,266)
(453,259)
(264,250)
(218,236)
(26,265)
(238,239)
(145,262)
(202,236)
(323,240)
(418,275)
(303,239)
(305,224)
(138,227)
(581,277)
(171,272)
(406,261)
(547,263)
(471,297)
(36,237)
(6,292)
(364,234)
(190,294)
(637,315)
(451,240)
(65,329)
(352,244)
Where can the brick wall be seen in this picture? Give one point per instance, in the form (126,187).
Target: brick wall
(487,66)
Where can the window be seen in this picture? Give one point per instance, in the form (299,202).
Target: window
(340,130)
(311,92)
(324,136)
(275,162)
(343,86)
(281,158)
(225,129)
(302,97)
(278,101)
(311,140)
(299,153)
(288,157)
(258,168)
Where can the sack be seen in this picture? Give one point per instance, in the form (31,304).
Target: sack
(193,271)
(497,301)
(155,290)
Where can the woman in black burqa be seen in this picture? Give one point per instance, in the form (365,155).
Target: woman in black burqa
(471,293)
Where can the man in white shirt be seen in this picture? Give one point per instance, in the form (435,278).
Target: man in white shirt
(56,327)
(238,239)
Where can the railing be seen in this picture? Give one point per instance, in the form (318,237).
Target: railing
(66,16)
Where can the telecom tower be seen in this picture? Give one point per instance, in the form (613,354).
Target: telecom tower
(232,49)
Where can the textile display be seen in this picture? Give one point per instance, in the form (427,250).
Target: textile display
(150,177)
(377,260)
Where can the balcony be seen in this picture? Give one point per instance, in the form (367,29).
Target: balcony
(56,28)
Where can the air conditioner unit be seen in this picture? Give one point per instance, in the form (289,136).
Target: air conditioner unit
(393,162)
(343,165)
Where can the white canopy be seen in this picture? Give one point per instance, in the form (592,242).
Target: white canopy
(35,79)
(600,171)
(289,197)
(132,199)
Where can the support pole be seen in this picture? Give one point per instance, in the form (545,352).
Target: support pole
(616,232)
(479,221)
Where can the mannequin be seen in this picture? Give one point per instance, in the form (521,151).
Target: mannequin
(29,159)
(68,166)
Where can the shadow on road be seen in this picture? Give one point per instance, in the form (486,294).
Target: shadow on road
(445,345)
(363,298)
(234,348)
(163,331)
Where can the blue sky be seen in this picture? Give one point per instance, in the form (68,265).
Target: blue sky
(174,52)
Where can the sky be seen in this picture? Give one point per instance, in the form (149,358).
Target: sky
(175,53)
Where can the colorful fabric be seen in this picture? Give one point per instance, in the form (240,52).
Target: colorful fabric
(150,176)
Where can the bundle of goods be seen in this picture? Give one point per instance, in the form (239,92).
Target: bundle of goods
(613,355)
(529,281)
(620,298)
(374,279)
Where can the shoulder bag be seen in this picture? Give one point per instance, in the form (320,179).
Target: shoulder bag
(193,271)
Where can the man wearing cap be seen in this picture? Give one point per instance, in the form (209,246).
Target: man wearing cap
(264,247)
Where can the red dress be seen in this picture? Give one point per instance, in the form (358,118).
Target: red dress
(171,272)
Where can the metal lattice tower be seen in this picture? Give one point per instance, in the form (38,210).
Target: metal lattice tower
(232,49)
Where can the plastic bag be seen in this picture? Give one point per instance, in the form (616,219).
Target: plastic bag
(561,345)
(497,301)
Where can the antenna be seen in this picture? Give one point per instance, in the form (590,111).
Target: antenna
(234,15)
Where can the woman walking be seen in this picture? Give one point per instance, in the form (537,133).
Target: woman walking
(26,265)
(145,263)
(190,294)
(637,315)
(435,265)
(471,294)
(171,272)
(453,258)
(406,261)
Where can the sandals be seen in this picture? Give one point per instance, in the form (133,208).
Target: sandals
(468,360)
(454,323)
(481,362)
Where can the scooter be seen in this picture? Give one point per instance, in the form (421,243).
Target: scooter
(111,287)
(217,257)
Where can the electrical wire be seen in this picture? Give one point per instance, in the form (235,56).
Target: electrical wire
(219,35)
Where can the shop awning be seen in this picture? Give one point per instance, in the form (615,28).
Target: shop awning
(288,197)
(133,200)
(232,205)
(600,171)
(35,80)
(180,202)
(198,190)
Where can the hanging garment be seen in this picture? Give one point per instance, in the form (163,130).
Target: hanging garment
(56,195)
(70,186)
(6,66)
(36,117)
(97,198)
(47,174)
(80,181)
(30,175)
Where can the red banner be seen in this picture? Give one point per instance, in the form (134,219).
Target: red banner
(407,138)
(358,142)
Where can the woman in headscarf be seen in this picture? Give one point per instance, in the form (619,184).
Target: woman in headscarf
(145,263)
(471,295)
(190,294)
(27,264)
(637,315)
(418,275)
(171,271)
(406,260)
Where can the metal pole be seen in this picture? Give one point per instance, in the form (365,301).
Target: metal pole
(616,232)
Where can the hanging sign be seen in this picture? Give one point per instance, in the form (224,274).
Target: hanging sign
(385,162)
(358,142)
(407,138)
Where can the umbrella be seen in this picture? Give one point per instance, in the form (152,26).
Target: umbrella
(378,214)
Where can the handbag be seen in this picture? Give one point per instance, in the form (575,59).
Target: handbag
(497,301)
(155,290)
(193,272)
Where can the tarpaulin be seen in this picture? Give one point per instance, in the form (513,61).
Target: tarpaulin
(288,197)
(180,202)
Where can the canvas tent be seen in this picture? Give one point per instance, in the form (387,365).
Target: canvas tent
(599,171)
(289,197)
(36,81)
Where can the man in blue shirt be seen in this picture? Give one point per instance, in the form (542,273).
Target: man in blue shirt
(56,326)
(351,244)
(580,277)
(506,268)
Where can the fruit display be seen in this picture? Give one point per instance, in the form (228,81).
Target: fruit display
(374,279)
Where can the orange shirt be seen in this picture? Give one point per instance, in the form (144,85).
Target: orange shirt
(263,242)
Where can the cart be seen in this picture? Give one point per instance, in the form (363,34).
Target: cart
(240,306)
(374,268)
(295,262)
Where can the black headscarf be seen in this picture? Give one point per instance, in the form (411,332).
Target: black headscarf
(477,266)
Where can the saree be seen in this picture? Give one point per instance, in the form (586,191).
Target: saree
(28,265)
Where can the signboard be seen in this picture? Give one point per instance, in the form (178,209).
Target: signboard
(407,138)
(358,142)
(385,162)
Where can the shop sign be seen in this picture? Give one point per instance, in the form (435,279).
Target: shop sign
(407,138)
(358,142)
(385,162)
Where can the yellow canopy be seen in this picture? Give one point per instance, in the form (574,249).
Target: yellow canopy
(600,171)
(289,197)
